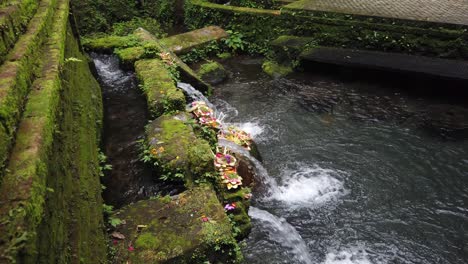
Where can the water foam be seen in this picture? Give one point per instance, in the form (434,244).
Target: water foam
(279,230)
(309,185)
(253,128)
(355,255)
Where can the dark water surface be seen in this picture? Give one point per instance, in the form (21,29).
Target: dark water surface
(125,117)
(364,173)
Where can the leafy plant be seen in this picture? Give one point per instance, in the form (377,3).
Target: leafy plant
(114,221)
(234,41)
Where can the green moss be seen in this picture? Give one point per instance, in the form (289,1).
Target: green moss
(209,67)
(179,151)
(276,70)
(186,73)
(19,71)
(212,72)
(158,85)
(13,21)
(148,241)
(224,55)
(128,56)
(35,228)
(176,233)
(109,43)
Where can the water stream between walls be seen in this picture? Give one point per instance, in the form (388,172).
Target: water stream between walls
(125,117)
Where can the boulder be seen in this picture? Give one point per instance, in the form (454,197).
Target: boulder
(212,73)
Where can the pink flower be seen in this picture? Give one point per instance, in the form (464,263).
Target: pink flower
(115,241)
(229,207)
(131,248)
(205,219)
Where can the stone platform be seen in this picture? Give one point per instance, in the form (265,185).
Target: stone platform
(392,62)
(453,12)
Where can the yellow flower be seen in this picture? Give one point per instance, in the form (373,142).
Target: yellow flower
(161,149)
(154,151)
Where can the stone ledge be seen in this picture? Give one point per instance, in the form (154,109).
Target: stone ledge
(191,227)
(13,19)
(19,71)
(21,211)
(183,43)
(161,93)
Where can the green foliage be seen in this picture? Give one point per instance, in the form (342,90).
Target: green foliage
(114,221)
(235,40)
(127,27)
(107,209)
(259,27)
(204,52)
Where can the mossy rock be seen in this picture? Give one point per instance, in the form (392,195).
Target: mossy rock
(212,72)
(276,70)
(161,93)
(189,228)
(177,150)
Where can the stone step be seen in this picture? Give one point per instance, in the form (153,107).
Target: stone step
(19,71)
(21,210)
(183,43)
(14,16)
(393,62)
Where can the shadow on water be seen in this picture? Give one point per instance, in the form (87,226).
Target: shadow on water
(125,117)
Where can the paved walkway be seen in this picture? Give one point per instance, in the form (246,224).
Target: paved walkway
(441,11)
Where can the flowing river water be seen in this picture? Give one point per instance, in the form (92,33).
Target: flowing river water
(353,171)
(357,172)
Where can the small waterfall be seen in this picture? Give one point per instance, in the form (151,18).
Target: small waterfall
(260,171)
(281,231)
(194,94)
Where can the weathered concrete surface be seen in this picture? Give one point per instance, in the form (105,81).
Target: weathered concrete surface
(451,69)
(446,12)
(183,43)
(189,228)
(186,73)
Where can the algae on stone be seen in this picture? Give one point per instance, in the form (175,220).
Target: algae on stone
(180,155)
(158,85)
(191,228)
(276,70)
(212,72)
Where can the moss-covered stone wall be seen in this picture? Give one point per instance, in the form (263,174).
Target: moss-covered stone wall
(50,193)
(260,26)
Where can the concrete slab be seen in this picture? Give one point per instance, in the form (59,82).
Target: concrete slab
(402,63)
(183,43)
